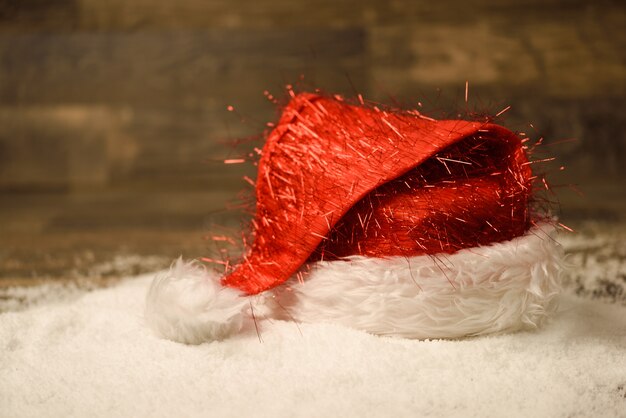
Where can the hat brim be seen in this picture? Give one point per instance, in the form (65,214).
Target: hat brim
(503,287)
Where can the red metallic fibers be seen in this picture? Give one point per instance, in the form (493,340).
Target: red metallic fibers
(336,180)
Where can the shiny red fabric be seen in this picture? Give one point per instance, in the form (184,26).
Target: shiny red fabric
(336,180)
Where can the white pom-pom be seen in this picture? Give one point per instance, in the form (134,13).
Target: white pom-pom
(188,304)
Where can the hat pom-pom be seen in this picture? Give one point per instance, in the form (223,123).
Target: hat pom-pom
(188,304)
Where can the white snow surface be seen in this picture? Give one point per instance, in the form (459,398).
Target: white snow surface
(94,356)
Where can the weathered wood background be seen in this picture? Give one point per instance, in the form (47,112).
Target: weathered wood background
(105,93)
(128,97)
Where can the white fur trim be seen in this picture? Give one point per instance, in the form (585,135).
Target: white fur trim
(504,287)
(507,286)
(188,304)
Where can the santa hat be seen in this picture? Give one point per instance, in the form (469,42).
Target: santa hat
(383,220)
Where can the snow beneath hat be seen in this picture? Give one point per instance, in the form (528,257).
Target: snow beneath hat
(92,355)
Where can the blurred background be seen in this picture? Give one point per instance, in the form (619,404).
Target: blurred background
(114,121)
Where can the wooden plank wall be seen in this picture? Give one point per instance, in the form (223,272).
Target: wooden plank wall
(133,93)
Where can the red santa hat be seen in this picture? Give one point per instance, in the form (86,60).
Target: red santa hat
(386,221)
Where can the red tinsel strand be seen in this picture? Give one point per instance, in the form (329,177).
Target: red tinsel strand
(336,180)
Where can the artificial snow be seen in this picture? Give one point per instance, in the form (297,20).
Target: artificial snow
(93,355)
